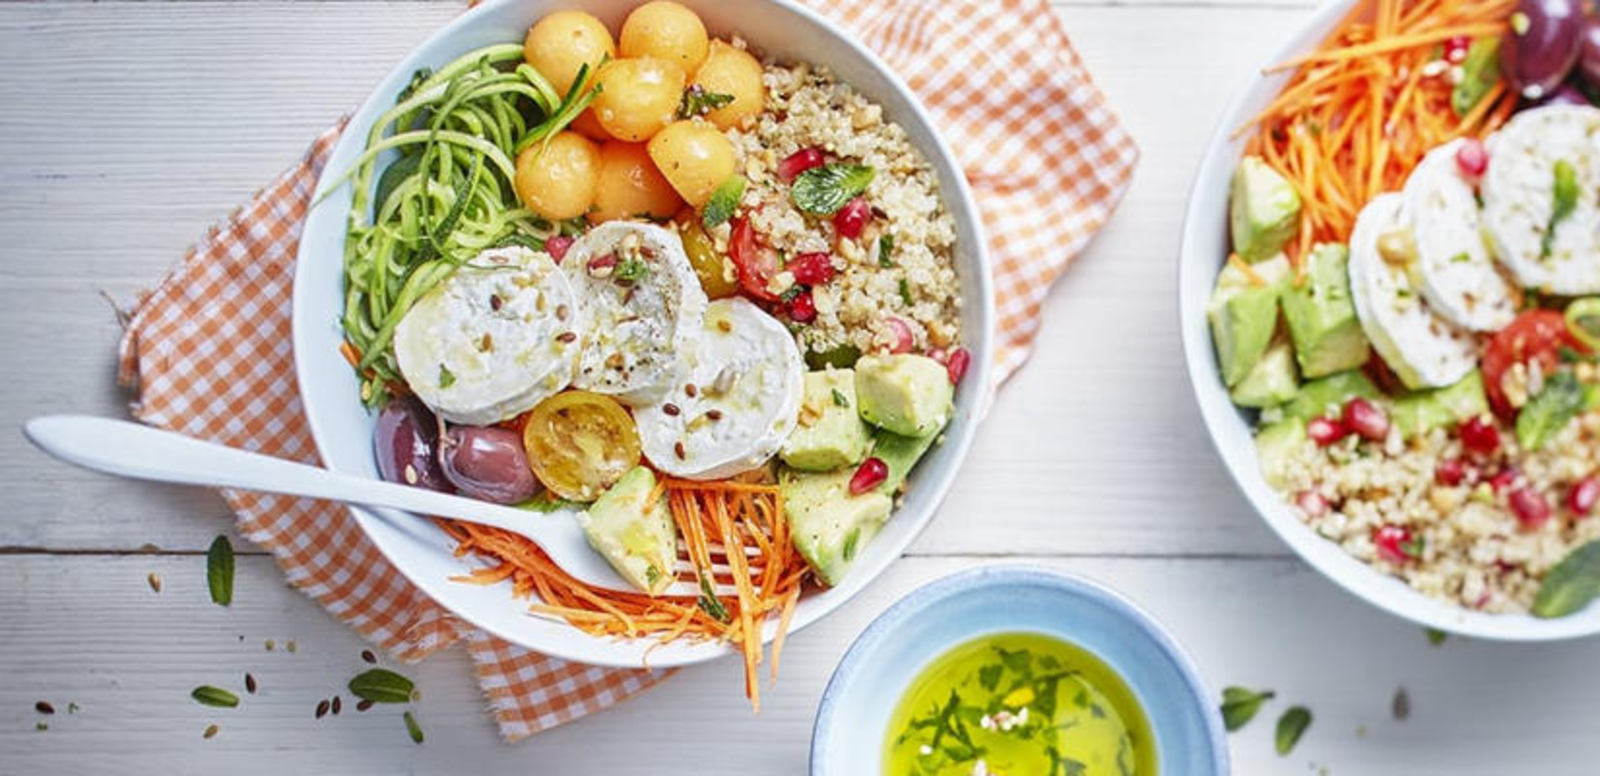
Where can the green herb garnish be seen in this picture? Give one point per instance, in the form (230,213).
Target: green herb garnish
(380,685)
(1461,258)
(631,270)
(1562,399)
(724,201)
(698,102)
(822,191)
(1563,200)
(1239,705)
(1583,320)
(219,571)
(412,728)
(1291,726)
(1436,637)
(214,696)
(839,399)
(545,502)
(1413,547)
(709,603)
(1571,584)
(885,248)
(905,292)
(447,378)
(1480,70)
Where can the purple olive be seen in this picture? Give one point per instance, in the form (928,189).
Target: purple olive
(487,463)
(1566,94)
(1543,45)
(405,441)
(1589,53)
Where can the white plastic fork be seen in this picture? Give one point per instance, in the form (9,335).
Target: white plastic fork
(141,452)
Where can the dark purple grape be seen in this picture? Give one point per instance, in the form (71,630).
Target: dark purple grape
(488,463)
(1566,94)
(1543,45)
(1589,53)
(406,440)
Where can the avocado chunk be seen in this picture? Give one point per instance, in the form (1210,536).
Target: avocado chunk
(1276,445)
(831,433)
(1244,313)
(1327,395)
(1263,210)
(1321,316)
(1422,411)
(900,453)
(905,393)
(829,525)
(1273,381)
(635,536)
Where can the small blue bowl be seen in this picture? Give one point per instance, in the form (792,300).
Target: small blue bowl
(854,716)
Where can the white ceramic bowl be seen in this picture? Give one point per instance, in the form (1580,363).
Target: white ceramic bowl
(1204,248)
(853,718)
(342,428)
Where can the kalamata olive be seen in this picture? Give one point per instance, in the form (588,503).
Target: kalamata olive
(488,463)
(405,441)
(1566,94)
(1589,53)
(1543,45)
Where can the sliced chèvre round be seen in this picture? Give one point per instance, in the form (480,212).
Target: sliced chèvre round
(1460,279)
(1422,348)
(739,399)
(643,307)
(498,336)
(1547,253)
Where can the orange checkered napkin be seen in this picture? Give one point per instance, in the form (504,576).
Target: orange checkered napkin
(208,350)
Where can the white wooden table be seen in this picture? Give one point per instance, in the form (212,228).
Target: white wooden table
(126,127)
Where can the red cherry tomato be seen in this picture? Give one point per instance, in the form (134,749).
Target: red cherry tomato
(755,263)
(1536,335)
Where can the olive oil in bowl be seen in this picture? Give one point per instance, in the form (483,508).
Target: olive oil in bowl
(1009,704)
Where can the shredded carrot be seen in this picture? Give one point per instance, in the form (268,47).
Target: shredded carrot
(733,535)
(1362,109)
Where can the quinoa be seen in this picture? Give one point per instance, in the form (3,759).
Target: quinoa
(1470,547)
(808,108)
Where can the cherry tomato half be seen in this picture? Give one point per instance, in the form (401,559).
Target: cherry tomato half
(580,443)
(757,264)
(1536,335)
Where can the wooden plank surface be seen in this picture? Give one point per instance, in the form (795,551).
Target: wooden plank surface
(130,126)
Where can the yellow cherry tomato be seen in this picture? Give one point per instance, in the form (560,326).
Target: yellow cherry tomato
(715,273)
(665,30)
(579,443)
(565,41)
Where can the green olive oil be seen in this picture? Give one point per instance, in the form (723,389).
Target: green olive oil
(1018,704)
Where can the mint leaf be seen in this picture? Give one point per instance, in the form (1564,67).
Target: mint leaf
(1561,400)
(821,191)
(1571,584)
(380,685)
(219,571)
(698,102)
(447,378)
(1240,705)
(723,201)
(1291,726)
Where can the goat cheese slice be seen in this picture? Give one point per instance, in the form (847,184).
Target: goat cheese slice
(739,399)
(498,336)
(1519,199)
(1460,279)
(643,306)
(1421,347)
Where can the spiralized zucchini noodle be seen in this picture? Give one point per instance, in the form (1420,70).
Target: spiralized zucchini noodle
(448,195)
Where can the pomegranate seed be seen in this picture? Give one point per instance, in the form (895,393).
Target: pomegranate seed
(557,246)
(960,359)
(812,269)
(1394,543)
(798,162)
(870,474)
(1530,508)
(1326,431)
(900,331)
(1504,478)
(1472,157)
(802,309)
(940,355)
(601,266)
(1584,495)
(1451,472)
(1479,436)
(1314,504)
(1367,419)
(1455,49)
(852,218)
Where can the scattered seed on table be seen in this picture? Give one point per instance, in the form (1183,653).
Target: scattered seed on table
(155,581)
(211,730)
(322,708)
(249,683)
(291,645)
(40,726)
(271,645)
(1401,706)
(72,707)
(336,704)
(412,727)
(366,654)
(416,695)
(363,705)
(44,707)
